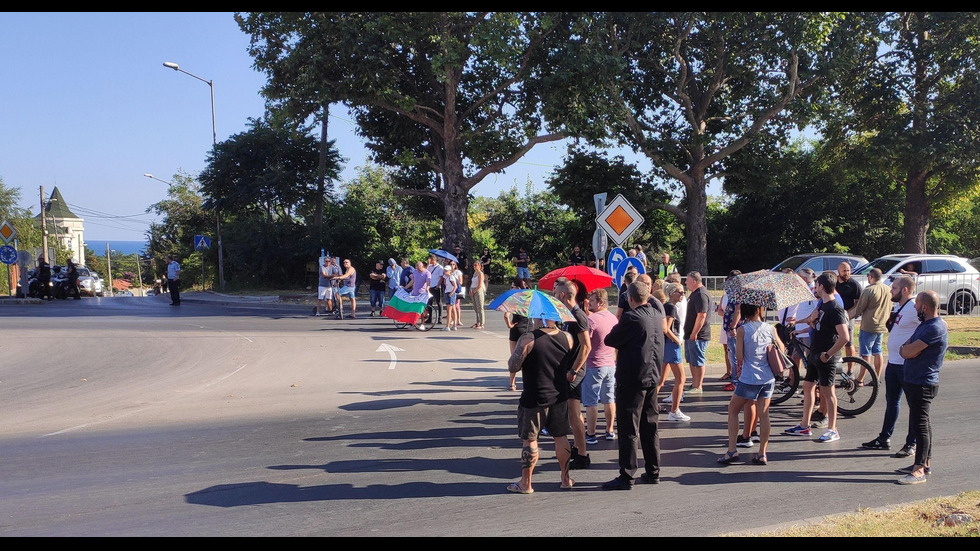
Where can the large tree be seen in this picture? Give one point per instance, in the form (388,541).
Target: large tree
(917,108)
(687,90)
(441,96)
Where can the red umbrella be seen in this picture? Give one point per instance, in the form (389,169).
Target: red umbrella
(590,277)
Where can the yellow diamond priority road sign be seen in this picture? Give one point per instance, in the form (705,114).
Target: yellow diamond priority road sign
(619,219)
(7,231)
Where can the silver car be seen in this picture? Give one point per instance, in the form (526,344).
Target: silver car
(89,282)
(955,280)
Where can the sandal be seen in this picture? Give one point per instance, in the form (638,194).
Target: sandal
(516,488)
(760,460)
(569,485)
(729,458)
(726,377)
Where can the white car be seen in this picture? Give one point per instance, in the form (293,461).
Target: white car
(955,280)
(89,282)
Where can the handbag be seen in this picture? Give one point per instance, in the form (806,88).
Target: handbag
(778,362)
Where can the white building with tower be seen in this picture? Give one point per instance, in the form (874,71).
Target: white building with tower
(63,227)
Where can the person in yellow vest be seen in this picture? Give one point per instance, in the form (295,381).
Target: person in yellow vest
(665,268)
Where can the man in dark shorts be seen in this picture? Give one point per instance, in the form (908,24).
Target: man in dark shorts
(544,401)
(829,321)
(566,291)
(639,341)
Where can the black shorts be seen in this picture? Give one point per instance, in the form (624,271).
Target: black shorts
(819,372)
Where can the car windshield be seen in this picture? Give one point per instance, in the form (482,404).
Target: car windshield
(83,272)
(792,263)
(883,264)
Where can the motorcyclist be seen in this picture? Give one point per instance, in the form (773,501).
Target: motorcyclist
(72,282)
(43,279)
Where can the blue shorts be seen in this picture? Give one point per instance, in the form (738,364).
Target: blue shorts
(754,392)
(870,343)
(694,352)
(346,291)
(599,386)
(672,353)
(450,299)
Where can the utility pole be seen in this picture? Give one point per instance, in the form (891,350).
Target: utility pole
(139,274)
(44,231)
(108,265)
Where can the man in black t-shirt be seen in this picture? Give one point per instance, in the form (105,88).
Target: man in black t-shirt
(577,259)
(697,329)
(829,321)
(566,291)
(850,291)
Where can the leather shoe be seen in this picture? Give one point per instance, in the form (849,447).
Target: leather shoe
(647,478)
(618,484)
(580,462)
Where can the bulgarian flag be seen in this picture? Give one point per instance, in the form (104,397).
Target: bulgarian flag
(406,307)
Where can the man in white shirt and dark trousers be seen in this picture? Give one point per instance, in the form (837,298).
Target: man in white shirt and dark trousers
(173,277)
(902,322)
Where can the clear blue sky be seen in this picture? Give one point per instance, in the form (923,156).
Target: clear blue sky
(88,106)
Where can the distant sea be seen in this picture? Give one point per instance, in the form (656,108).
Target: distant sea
(121,247)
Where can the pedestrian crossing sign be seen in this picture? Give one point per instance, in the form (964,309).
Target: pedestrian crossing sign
(619,219)
(201,242)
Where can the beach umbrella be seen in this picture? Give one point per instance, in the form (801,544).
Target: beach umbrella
(772,290)
(532,304)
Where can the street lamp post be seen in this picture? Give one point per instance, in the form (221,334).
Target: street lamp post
(214,137)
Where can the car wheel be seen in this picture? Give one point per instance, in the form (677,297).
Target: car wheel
(962,302)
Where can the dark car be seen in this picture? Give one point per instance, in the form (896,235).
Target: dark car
(820,262)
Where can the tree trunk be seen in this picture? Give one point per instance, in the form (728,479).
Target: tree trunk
(697,228)
(917,214)
(455,226)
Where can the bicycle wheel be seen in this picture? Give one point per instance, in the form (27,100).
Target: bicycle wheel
(854,395)
(786,385)
(427,319)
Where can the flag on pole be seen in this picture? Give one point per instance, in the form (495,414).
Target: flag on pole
(405,307)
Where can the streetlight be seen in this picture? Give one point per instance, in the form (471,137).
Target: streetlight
(157,179)
(214,137)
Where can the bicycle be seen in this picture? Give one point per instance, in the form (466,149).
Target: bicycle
(854,397)
(425,322)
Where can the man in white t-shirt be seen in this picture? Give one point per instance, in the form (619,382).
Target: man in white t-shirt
(435,284)
(904,321)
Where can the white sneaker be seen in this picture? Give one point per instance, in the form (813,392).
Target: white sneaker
(669,399)
(677,416)
(447,328)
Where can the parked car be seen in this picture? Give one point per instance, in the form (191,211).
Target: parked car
(820,262)
(953,277)
(89,282)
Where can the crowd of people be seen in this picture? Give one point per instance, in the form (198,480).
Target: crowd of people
(629,355)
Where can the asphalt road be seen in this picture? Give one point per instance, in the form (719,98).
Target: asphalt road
(129,417)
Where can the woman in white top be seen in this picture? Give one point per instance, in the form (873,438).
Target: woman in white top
(450,283)
(478,289)
(754,381)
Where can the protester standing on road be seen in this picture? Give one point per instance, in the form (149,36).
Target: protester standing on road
(393,273)
(405,276)
(478,294)
(673,358)
(829,321)
(599,386)
(873,308)
(451,284)
(523,261)
(517,326)
(173,279)
(576,259)
(324,290)
(754,381)
(348,287)
(903,322)
(566,291)
(849,291)
(923,353)
(639,341)
(377,286)
(435,285)
(544,402)
(697,329)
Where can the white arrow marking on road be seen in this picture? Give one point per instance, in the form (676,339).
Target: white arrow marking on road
(385,347)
